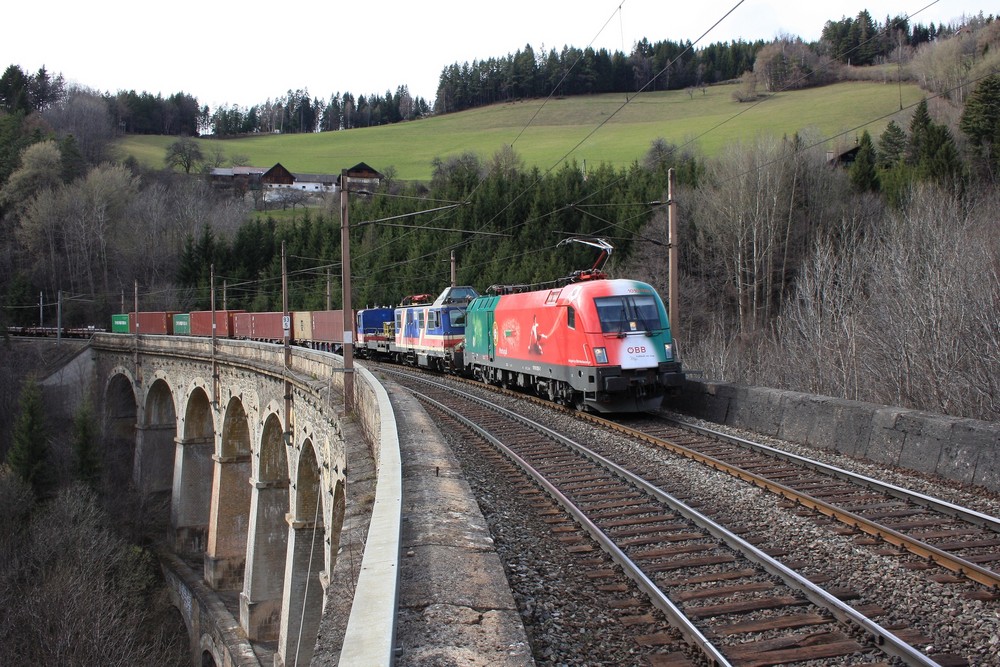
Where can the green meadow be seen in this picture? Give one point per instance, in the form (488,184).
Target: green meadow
(596,129)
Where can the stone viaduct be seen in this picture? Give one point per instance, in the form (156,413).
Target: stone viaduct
(245,451)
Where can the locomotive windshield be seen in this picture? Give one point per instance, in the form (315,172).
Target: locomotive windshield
(625,314)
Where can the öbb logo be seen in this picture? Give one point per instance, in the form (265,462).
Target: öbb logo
(638,349)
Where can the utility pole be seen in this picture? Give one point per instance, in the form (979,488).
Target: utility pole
(673,254)
(215,368)
(41,309)
(453,272)
(138,367)
(59,319)
(286,327)
(345,246)
(328,297)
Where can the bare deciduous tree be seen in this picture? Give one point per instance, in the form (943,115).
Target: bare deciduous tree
(84,115)
(184,153)
(85,597)
(746,224)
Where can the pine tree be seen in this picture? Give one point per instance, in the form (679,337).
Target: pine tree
(981,120)
(919,127)
(864,175)
(29,453)
(891,146)
(85,457)
(941,162)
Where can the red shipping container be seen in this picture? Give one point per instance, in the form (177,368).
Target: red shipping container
(201,323)
(267,326)
(241,325)
(156,323)
(328,326)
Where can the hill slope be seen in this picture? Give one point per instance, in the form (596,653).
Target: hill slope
(595,129)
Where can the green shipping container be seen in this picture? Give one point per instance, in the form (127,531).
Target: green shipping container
(182,324)
(119,323)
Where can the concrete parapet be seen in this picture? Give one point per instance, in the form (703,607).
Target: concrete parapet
(371,629)
(963,450)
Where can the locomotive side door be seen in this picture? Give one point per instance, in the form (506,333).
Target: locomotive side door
(492,334)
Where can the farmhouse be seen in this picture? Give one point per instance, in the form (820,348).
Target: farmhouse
(280,178)
(239,178)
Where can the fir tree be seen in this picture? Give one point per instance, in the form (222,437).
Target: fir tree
(29,454)
(85,457)
(919,127)
(864,175)
(981,120)
(941,162)
(891,146)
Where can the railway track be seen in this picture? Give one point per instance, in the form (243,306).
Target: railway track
(734,602)
(959,539)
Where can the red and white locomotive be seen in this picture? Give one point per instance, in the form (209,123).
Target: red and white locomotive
(598,344)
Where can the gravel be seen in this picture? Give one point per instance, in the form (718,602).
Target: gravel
(567,621)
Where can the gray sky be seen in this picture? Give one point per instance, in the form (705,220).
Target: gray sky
(245,52)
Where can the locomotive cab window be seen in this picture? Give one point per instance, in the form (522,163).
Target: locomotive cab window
(571,318)
(626,314)
(456,317)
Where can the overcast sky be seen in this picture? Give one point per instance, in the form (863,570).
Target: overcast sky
(246,52)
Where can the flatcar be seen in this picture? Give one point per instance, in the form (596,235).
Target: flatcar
(599,345)
(53,332)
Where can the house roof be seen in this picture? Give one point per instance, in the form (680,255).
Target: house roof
(362,170)
(238,171)
(316,178)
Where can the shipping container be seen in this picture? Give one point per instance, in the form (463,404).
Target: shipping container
(302,325)
(328,326)
(241,326)
(158,323)
(182,324)
(201,323)
(267,326)
(120,323)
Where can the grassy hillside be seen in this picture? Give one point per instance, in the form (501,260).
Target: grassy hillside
(600,128)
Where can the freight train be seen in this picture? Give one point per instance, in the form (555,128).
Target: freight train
(597,344)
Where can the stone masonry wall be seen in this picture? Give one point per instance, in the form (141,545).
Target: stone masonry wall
(964,450)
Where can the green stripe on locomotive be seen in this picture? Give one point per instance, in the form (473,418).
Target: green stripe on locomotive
(479,325)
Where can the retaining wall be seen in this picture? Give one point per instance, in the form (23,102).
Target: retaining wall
(964,450)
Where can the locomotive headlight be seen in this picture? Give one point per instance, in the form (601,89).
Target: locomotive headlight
(601,355)
(669,349)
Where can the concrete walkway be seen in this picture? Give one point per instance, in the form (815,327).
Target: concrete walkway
(455,606)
